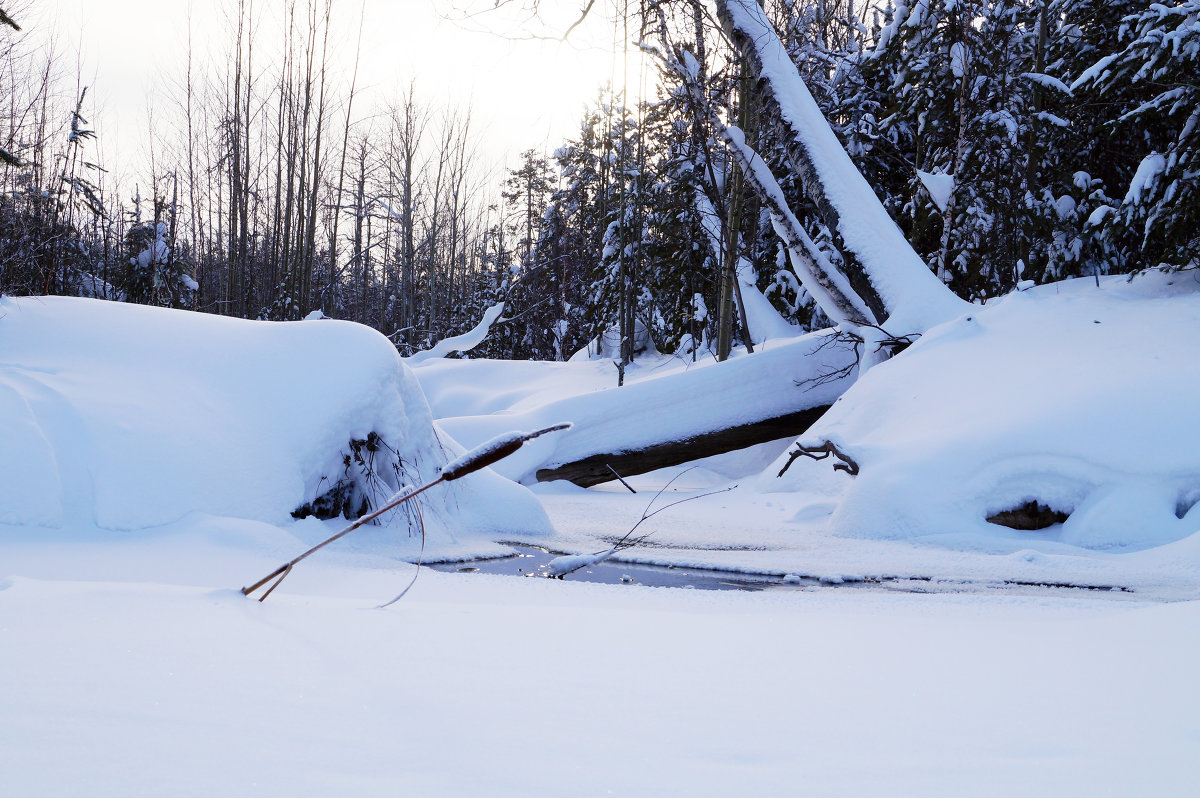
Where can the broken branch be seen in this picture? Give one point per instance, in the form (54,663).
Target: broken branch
(820,453)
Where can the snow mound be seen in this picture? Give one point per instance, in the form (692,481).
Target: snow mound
(125,417)
(1073,400)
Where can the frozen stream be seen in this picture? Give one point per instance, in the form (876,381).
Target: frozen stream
(530,561)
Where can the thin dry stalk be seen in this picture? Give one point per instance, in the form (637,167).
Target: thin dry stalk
(490,452)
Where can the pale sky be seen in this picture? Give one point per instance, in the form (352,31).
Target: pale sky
(524,93)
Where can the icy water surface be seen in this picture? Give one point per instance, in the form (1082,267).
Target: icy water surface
(531,560)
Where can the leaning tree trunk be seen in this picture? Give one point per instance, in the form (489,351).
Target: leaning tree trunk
(828,286)
(878,261)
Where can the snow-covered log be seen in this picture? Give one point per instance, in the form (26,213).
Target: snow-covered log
(880,264)
(708,409)
(598,468)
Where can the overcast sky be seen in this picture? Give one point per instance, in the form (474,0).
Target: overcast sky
(524,93)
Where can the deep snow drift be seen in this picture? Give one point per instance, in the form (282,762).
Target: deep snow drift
(1077,397)
(125,417)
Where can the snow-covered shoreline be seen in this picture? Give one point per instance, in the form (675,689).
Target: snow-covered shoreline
(133,418)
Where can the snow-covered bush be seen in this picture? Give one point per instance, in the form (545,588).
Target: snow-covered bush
(155,274)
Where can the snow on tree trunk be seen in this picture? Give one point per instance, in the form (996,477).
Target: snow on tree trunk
(879,263)
(833,292)
(762,320)
(828,286)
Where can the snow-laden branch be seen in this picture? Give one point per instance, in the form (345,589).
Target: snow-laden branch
(570,563)
(461,343)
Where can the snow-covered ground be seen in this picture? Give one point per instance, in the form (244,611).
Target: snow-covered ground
(149,462)
(151,685)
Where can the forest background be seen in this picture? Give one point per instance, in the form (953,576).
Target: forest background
(1011,141)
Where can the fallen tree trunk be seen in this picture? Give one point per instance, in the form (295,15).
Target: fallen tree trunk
(599,468)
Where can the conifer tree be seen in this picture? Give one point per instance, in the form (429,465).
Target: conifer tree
(1159,63)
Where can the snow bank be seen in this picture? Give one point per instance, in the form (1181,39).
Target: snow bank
(1081,399)
(125,417)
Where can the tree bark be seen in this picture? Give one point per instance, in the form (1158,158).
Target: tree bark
(595,469)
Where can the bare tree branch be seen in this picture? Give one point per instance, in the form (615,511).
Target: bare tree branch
(530,17)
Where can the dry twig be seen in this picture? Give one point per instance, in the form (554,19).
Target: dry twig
(567,564)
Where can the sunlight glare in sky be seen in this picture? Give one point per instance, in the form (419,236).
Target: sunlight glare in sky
(523,93)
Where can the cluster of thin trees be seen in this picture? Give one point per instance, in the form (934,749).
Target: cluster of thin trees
(1010,140)
(272,190)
